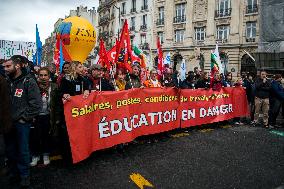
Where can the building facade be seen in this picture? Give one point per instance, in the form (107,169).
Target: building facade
(190,29)
(140,20)
(81,11)
(108,13)
(270,55)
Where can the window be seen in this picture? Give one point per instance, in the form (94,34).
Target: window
(133,4)
(161,37)
(161,16)
(132,39)
(143,26)
(222,32)
(144,19)
(180,13)
(123,8)
(144,5)
(179,36)
(251,6)
(143,39)
(224,8)
(251,30)
(132,24)
(200,34)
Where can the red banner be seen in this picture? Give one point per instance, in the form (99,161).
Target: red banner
(106,119)
(202,106)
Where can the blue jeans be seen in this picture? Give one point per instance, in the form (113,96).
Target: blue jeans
(17,149)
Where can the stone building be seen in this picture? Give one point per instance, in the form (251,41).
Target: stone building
(139,15)
(270,55)
(81,11)
(108,13)
(190,29)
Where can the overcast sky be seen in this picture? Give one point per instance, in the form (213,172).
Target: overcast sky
(18,18)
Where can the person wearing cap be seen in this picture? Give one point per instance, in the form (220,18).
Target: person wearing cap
(99,82)
(153,81)
(276,99)
(134,78)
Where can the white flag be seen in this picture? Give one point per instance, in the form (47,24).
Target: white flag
(182,70)
(97,59)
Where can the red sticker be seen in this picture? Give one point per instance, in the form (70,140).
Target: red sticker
(19,92)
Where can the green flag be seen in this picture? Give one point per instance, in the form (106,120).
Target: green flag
(137,51)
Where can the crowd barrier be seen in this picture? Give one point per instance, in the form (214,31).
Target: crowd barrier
(106,119)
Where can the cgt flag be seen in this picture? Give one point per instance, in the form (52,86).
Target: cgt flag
(103,56)
(124,51)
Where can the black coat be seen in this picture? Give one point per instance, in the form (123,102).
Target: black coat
(25,98)
(73,87)
(262,90)
(5,107)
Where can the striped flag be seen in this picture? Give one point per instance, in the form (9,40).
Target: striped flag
(216,65)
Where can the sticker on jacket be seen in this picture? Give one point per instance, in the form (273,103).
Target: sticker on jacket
(19,92)
(78,88)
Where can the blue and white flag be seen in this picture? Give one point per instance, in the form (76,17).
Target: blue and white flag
(182,70)
(167,59)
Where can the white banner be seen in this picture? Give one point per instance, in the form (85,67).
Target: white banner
(10,48)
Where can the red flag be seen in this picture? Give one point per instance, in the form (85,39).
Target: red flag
(56,54)
(124,51)
(111,54)
(104,61)
(160,58)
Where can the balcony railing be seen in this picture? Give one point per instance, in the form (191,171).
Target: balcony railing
(144,7)
(160,22)
(222,40)
(223,12)
(132,28)
(251,9)
(143,27)
(179,19)
(250,39)
(133,10)
(144,46)
(104,19)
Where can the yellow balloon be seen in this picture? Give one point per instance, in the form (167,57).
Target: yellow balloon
(78,36)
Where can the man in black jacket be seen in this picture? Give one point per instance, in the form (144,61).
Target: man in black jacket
(276,99)
(262,92)
(26,104)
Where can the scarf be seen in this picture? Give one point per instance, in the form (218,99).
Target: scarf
(43,86)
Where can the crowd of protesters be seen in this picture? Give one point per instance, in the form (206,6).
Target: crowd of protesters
(32,98)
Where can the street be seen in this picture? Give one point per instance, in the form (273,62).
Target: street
(220,157)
